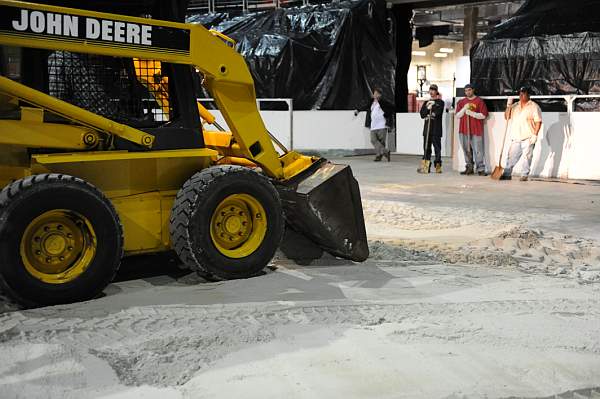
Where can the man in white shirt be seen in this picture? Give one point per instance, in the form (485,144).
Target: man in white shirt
(379,116)
(526,121)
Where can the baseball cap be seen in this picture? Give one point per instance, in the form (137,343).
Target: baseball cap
(525,89)
(469,86)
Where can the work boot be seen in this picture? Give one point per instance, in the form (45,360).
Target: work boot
(468,171)
(388,156)
(377,158)
(524,178)
(438,168)
(506,177)
(425,167)
(482,173)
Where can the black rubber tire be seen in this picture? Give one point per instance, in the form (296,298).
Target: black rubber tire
(194,207)
(26,199)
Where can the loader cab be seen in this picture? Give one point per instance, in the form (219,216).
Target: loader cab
(145,94)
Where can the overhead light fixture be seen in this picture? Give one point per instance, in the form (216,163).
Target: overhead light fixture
(419,53)
(446,50)
(440,55)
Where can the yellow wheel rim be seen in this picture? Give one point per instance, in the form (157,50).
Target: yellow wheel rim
(238,225)
(58,246)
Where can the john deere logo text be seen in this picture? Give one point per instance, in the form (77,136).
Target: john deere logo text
(83,27)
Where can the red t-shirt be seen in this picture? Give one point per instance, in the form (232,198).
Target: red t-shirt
(468,124)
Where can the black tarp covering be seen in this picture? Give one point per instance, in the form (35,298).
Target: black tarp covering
(327,56)
(551,45)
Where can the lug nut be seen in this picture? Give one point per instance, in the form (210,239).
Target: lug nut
(59,227)
(38,252)
(48,260)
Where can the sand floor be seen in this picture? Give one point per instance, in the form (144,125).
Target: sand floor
(474,289)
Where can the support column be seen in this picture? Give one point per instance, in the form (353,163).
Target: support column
(403,14)
(470,29)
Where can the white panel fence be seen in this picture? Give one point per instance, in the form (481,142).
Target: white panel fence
(567,146)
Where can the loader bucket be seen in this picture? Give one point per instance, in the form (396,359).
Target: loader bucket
(323,203)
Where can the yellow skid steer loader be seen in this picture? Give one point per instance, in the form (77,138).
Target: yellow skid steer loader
(103,155)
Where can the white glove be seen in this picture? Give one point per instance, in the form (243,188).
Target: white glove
(509,102)
(533,139)
(462,112)
(430,104)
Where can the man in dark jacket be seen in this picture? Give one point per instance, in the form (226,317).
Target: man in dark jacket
(432,111)
(380,116)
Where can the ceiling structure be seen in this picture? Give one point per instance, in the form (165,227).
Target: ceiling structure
(452,13)
(427,12)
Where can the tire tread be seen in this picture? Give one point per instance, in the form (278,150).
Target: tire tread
(20,187)
(189,198)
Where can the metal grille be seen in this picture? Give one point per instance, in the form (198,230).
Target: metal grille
(109,87)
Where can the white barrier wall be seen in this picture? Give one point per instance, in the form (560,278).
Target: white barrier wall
(561,151)
(330,130)
(583,146)
(409,134)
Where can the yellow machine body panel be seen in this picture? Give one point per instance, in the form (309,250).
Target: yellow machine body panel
(141,186)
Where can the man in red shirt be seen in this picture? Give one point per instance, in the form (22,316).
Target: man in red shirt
(472,113)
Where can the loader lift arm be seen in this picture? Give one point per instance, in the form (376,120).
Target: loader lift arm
(226,75)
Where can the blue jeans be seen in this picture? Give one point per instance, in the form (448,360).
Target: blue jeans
(473,149)
(516,150)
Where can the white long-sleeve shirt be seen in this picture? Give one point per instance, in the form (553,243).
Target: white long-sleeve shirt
(377,116)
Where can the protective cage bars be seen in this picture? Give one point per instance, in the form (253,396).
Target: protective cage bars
(121,89)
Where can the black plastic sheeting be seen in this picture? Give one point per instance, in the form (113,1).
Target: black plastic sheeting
(327,56)
(550,45)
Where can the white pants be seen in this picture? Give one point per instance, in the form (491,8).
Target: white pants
(516,150)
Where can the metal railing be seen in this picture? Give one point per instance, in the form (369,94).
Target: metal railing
(213,6)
